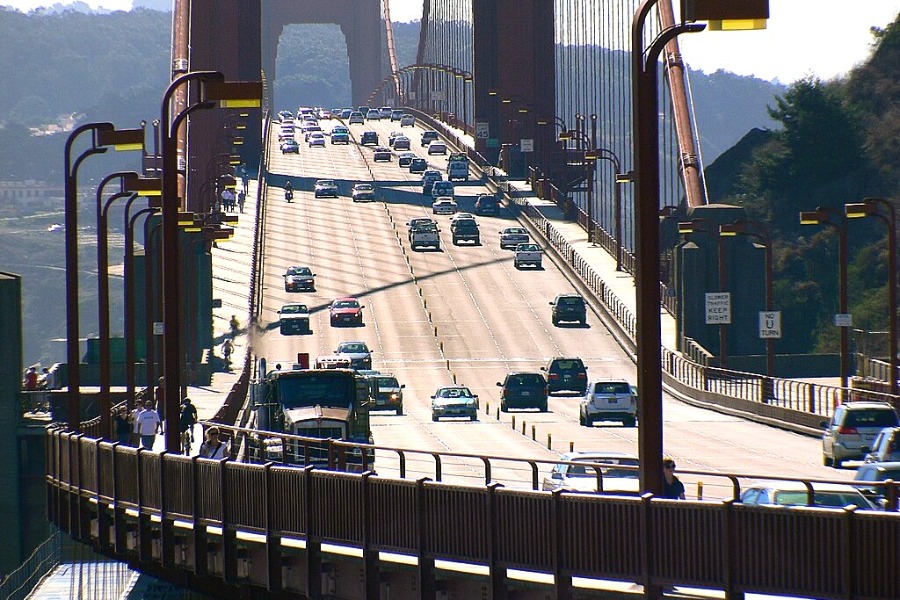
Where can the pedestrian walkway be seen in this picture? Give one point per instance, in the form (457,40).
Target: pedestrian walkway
(231,268)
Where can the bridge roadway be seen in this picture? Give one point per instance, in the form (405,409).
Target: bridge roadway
(465,314)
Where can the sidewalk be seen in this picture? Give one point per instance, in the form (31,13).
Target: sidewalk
(231,268)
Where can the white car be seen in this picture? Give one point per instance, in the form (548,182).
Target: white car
(444,205)
(437,147)
(608,400)
(357,117)
(407,120)
(316,138)
(617,475)
(363,192)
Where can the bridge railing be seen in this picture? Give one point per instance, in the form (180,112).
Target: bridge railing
(139,506)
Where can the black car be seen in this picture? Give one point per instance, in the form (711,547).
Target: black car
(487,206)
(565,374)
(465,230)
(523,390)
(369,137)
(418,165)
(570,308)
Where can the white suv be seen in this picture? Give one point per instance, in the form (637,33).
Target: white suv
(609,400)
(850,432)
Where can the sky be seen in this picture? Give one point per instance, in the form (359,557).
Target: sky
(803,38)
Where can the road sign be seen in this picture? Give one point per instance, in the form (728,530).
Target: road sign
(438,95)
(493,143)
(482,130)
(158,328)
(526,145)
(718,308)
(843,320)
(770,324)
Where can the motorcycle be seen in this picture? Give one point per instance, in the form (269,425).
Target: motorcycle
(289,195)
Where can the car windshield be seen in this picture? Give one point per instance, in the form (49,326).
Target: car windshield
(299,271)
(293,309)
(612,388)
(355,347)
(325,182)
(878,474)
(514,231)
(528,248)
(526,379)
(363,187)
(388,382)
(455,393)
(346,304)
(565,365)
(871,418)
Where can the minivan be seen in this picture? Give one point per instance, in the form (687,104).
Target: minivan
(851,430)
(523,390)
(566,374)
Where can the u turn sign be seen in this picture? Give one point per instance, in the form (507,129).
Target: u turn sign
(770,324)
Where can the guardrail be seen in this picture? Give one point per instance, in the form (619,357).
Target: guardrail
(198,523)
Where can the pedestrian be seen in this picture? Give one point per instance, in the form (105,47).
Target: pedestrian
(186,422)
(135,436)
(160,396)
(227,349)
(242,197)
(213,448)
(30,381)
(289,191)
(123,427)
(234,325)
(245,178)
(148,425)
(672,486)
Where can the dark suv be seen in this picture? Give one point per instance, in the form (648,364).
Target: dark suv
(568,307)
(369,137)
(523,390)
(566,374)
(487,206)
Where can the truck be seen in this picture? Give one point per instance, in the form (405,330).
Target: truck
(527,254)
(424,236)
(326,404)
(458,167)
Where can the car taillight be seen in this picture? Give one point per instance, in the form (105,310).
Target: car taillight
(582,376)
(554,376)
(844,430)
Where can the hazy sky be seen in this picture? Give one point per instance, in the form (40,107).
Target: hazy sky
(824,38)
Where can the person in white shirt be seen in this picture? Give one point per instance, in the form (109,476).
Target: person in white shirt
(213,447)
(147,426)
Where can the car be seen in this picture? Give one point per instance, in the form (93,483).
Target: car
(285,115)
(340,129)
(566,374)
(386,111)
(420,221)
(340,137)
(528,254)
(460,216)
(523,389)
(418,165)
(381,153)
(454,401)
(368,138)
(324,113)
(290,146)
(298,279)
(405,158)
(886,446)
(428,179)
(346,113)
(851,430)
(465,230)
(608,400)
(511,237)
(286,133)
(393,136)
(359,354)
(795,493)
(363,192)
(442,188)
(617,473)
(876,472)
(437,148)
(326,187)
(386,392)
(309,128)
(569,308)
(293,319)
(401,142)
(345,311)
(487,206)
(316,138)
(356,118)
(396,115)
(443,205)
(425,235)
(427,136)
(373,115)
(407,120)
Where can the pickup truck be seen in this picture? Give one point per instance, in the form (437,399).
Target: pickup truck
(527,254)
(465,230)
(458,167)
(424,236)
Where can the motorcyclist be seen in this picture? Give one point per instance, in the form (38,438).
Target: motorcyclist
(288,191)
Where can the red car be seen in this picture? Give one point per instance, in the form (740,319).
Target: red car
(346,311)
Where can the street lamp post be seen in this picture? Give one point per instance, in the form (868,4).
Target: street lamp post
(103,135)
(825,215)
(645,115)
(870,207)
(760,231)
(213,89)
(130,351)
(620,179)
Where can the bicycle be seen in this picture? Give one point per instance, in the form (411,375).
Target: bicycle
(187,440)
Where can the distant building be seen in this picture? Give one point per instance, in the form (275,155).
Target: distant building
(29,192)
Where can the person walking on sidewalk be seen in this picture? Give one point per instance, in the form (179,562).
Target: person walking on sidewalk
(242,197)
(227,349)
(213,448)
(148,425)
